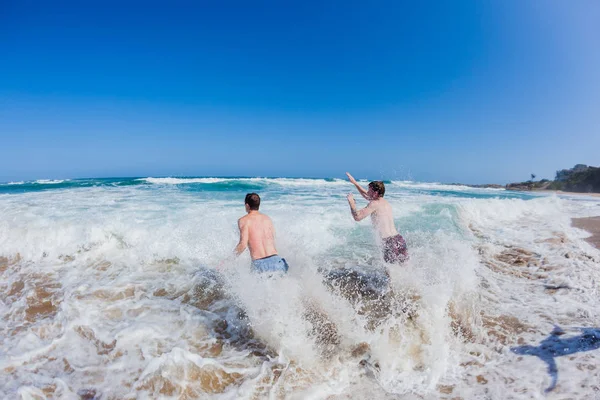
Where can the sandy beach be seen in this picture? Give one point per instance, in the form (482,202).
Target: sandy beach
(569,193)
(592,225)
(562,192)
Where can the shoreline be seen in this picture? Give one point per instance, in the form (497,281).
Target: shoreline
(567,193)
(591,225)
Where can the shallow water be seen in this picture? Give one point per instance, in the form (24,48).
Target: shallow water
(109,291)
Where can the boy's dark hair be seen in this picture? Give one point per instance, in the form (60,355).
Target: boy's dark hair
(253,201)
(378,187)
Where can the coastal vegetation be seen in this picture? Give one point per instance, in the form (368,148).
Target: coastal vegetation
(580,178)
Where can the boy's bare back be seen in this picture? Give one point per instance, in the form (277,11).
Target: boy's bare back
(260,233)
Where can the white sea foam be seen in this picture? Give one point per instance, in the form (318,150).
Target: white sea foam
(117,263)
(439,186)
(303,182)
(179,181)
(50,181)
(277,181)
(308,182)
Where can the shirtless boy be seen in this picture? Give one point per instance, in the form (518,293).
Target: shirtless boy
(394,246)
(258,234)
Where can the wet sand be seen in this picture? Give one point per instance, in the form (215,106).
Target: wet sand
(592,225)
(568,193)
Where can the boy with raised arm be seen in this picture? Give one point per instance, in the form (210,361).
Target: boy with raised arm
(394,246)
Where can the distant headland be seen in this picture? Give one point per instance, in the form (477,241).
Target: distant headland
(579,179)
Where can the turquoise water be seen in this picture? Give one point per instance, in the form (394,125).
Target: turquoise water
(273,185)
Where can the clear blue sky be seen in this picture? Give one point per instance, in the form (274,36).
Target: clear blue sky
(469,91)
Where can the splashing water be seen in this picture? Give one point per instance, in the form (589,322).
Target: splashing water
(109,290)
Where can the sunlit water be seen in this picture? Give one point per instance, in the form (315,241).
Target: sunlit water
(109,290)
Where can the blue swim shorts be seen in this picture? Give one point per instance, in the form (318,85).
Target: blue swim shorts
(272,263)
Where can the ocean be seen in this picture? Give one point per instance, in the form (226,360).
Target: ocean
(109,290)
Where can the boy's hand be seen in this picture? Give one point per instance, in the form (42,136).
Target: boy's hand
(350,198)
(350,177)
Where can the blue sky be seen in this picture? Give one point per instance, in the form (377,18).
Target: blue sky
(463,91)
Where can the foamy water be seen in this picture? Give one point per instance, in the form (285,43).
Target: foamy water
(109,291)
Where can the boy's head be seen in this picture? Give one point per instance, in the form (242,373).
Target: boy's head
(252,202)
(376,189)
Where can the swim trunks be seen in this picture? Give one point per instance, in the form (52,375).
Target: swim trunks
(394,249)
(272,263)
